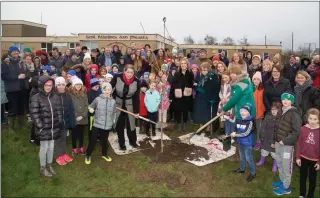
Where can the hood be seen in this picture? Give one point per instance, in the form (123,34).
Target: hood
(94,66)
(239,78)
(251,67)
(42,81)
(34,82)
(78,66)
(305,58)
(103,97)
(111,54)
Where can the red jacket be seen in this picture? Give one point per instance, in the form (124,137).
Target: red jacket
(308,144)
(316,80)
(143,109)
(88,76)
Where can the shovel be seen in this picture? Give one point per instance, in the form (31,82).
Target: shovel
(140,117)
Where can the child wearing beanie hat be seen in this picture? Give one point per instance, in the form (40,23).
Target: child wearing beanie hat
(244,138)
(93,93)
(114,69)
(286,134)
(46,70)
(103,121)
(80,102)
(260,109)
(266,135)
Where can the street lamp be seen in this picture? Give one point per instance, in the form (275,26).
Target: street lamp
(164,31)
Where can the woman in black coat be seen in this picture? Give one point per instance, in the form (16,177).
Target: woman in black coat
(181,94)
(46,114)
(306,95)
(205,103)
(274,87)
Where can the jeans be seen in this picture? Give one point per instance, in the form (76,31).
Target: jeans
(229,127)
(246,155)
(46,152)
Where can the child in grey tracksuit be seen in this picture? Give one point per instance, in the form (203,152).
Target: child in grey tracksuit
(286,134)
(104,107)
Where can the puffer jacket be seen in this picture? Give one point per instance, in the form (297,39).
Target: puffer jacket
(105,112)
(69,118)
(46,112)
(244,135)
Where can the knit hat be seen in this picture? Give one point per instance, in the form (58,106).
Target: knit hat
(194,66)
(216,58)
(288,96)
(259,57)
(165,66)
(87,55)
(144,84)
(46,68)
(106,85)
(27,49)
(71,72)
(76,81)
(94,82)
(60,80)
(247,107)
(168,60)
(109,75)
(39,52)
(173,67)
(114,65)
(12,49)
(257,75)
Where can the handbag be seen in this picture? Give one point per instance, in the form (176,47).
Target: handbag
(187,91)
(178,93)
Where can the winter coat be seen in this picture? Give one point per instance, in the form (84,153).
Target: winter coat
(253,69)
(290,72)
(4,98)
(10,73)
(126,96)
(308,145)
(82,73)
(244,132)
(102,60)
(314,72)
(127,60)
(265,77)
(69,64)
(104,112)
(143,109)
(117,56)
(267,131)
(258,100)
(272,92)
(241,94)
(58,62)
(225,60)
(225,93)
(89,76)
(152,101)
(35,86)
(81,108)
(46,113)
(164,91)
(287,129)
(180,81)
(207,97)
(69,118)
(92,95)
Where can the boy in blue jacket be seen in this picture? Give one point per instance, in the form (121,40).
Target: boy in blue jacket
(152,101)
(244,138)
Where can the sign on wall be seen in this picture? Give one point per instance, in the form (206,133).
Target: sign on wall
(59,44)
(115,37)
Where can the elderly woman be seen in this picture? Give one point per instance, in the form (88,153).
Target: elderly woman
(126,93)
(306,95)
(181,94)
(274,87)
(237,60)
(255,66)
(206,102)
(266,70)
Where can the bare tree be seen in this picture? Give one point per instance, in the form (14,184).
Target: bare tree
(188,40)
(244,41)
(228,41)
(210,40)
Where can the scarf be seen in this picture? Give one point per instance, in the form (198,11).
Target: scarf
(203,79)
(126,80)
(30,67)
(299,89)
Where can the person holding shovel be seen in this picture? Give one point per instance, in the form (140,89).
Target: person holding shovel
(126,93)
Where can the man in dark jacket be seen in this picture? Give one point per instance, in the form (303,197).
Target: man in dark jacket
(223,58)
(72,61)
(94,56)
(14,78)
(79,53)
(107,58)
(290,71)
(57,59)
(127,58)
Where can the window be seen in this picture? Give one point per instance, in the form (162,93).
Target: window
(90,45)
(72,45)
(226,52)
(46,47)
(264,55)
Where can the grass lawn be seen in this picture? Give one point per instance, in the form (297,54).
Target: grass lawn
(129,175)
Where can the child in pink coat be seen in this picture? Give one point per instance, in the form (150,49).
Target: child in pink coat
(163,88)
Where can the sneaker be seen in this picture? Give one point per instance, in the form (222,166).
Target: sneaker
(282,191)
(87,160)
(61,161)
(74,152)
(277,184)
(107,158)
(251,177)
(238,171)
(81,151)
(67,158)
(301,196)
(45,172)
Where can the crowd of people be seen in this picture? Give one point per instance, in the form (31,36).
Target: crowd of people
(66,92)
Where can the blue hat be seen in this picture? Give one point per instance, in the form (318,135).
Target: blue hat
(247,107)
(94,82)
(13,48)
(71,72)
(47,68)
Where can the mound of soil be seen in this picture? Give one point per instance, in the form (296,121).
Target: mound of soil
(172,152)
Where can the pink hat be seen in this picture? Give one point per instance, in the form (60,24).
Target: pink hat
(194,66)
(257,75)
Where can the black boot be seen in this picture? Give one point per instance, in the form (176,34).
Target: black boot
(123,147)
(238,171)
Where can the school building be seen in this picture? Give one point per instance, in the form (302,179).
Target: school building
(34,35)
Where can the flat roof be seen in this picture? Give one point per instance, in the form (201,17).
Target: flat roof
(22,22)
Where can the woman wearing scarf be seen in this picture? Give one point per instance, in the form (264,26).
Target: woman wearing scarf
(206,100)
(126,94)
(306,95)
(255,66)
(314,71)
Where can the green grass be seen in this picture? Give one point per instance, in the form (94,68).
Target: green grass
(129,175)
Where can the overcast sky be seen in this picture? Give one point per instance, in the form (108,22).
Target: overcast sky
(219,19)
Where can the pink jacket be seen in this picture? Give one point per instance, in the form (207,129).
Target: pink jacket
(164,91)
(225,93)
